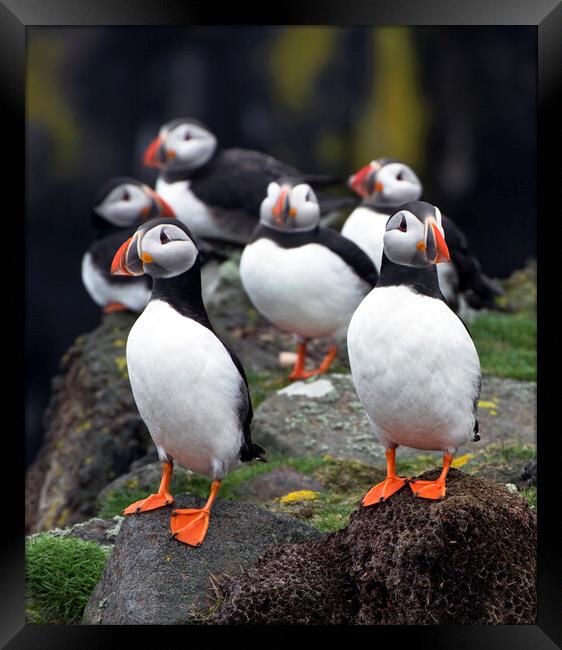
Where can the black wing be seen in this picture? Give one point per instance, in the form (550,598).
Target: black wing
(476,435)
(249,450)
(238,180)
(336,203)
(103,251)
(476,286)
(350,253)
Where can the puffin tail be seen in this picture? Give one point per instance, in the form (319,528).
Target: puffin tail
(259,453)
(251,451)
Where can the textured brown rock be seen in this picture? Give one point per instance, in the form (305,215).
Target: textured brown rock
(468,559)
(93,429)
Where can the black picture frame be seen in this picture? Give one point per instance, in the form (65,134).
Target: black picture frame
(546,15)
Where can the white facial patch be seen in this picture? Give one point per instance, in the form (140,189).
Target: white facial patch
(304,207)
(188,146)
(123,205)
(404,240)
(266,207)
(399,184)
(171,251)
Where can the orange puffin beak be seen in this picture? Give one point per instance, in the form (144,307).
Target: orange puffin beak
(126,260)
(362,182)
(151,154)
(165,208)
(280,207)
(436,247)
(443,254)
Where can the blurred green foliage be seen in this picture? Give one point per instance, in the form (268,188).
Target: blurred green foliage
(61,573)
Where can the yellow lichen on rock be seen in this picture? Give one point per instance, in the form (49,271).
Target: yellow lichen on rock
(462,460)
(299,495)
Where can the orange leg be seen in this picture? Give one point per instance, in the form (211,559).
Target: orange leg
(162,498)
(114,306)
(190,525)
(298,370)
(300,373)
(433,489)
(390,485)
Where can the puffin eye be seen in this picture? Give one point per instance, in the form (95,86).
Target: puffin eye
(164,239)
(187,136)
(126,196)
(400,176)
(403,227)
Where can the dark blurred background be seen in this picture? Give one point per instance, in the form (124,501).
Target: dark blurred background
(457,104)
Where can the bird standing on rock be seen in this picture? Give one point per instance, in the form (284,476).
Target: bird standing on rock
(189,387)
(217,192)
(413,362)
(121,205)
(384,185)
(303,278)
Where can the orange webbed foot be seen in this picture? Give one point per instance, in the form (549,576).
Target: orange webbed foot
(151,502)
(303,374)
(428,489)
(383,490)
(113,307)
(190,525)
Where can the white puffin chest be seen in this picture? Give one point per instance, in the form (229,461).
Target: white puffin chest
(186,388)
(365,227)
(307,290)
(415,369)
(188,208)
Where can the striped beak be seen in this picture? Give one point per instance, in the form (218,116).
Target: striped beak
(158,207)
(126,260)
(436,249)
(363,181)
(281,210)
(153,153)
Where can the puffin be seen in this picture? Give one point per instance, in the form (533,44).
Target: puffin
(413,363)
(304,278)
(121,204)
(217,192)
(386,183)
(189,386)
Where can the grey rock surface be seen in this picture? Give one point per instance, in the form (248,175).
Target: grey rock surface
(145,478)
(325,416)
(150,578)
(101,531)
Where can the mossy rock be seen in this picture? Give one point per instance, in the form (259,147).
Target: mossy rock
(469,558)
(325,416)
(93,429)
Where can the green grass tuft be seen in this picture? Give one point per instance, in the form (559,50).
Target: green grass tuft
(61,574)
(263,383)
(530,496)
(506,345)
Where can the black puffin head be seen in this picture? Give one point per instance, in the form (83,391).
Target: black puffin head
(161,248)
(414,236)
(290,207)
(182,144)
(123,201)
(386,182)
